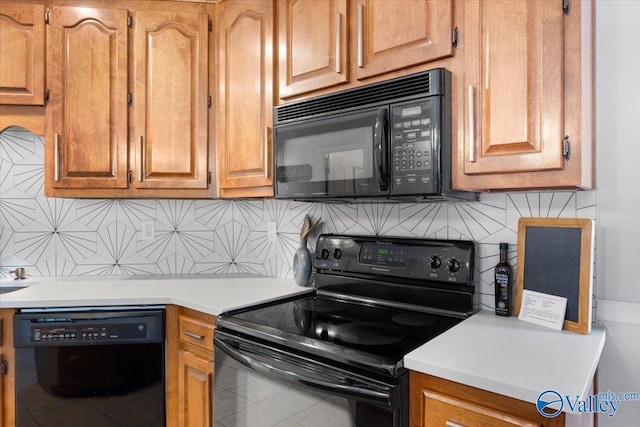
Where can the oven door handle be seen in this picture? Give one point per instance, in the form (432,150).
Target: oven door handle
(380,145)
(346,386)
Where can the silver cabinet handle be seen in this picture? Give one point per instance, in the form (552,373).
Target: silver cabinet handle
(338,42)
(140,170)
(471,117)
(267,151)
(56,157)
(194,335)
(360,30)
(452,424)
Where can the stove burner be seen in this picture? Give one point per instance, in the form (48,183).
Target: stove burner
(414,319)
(368,333)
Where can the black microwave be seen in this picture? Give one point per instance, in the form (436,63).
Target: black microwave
(383,141)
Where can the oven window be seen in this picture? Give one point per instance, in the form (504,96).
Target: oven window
(246,398)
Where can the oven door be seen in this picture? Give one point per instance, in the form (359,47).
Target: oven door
(260,385)
(343,155)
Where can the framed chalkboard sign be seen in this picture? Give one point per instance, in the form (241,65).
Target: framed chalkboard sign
(555,256)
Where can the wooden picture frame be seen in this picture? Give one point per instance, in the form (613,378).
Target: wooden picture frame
(555,256)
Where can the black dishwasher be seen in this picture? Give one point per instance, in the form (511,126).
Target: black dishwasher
(90,367)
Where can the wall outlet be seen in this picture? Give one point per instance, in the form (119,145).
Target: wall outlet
(148,233)
(272,231)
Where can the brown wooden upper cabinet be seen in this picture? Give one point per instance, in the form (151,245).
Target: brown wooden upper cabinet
(170,97)
(313,45)
(245,98)
(526,116)
(93,150)
(22,53)
(328,43)
(87,132)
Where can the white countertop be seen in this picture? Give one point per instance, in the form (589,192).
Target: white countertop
(209,294)
(511,357)
(502,355)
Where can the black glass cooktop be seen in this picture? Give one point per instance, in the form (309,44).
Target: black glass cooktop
(354,333)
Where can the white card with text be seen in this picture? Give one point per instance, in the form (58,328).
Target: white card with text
(543,309)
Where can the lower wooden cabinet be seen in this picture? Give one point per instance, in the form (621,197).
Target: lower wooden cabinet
(189,339)
(437,402)
(195,388)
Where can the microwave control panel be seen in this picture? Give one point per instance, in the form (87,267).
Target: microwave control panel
(414,158)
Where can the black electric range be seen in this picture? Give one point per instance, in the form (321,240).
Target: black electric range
(374,299)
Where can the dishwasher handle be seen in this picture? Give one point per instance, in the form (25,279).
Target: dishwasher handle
(301,370)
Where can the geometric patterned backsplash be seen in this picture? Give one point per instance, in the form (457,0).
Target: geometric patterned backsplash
(73,237)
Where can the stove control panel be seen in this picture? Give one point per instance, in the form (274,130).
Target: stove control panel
(448,261)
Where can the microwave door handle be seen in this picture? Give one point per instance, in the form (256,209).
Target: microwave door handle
(380,144)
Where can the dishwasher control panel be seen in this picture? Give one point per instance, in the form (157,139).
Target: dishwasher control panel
(89,332)
(88,328)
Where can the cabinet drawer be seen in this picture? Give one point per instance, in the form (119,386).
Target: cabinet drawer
(443,410)
(196,332)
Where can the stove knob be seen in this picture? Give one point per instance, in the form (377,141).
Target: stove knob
(324,254)
(337,254)
(454,265)
(435,261)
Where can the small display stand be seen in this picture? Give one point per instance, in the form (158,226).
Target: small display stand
(555,256)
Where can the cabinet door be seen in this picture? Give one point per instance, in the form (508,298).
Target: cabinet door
(169,137)
(513,86)
(22,54)
(395,34)
(313,45)
(87,113)
(245,98)
(195,390)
